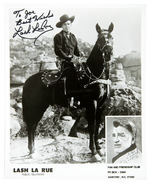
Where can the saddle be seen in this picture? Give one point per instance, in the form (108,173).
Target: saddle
(50,77)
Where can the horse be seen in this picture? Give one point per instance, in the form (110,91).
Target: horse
(37,97)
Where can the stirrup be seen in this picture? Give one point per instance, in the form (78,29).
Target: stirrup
(74,104)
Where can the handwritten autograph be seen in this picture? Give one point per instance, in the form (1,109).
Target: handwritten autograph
(29,25)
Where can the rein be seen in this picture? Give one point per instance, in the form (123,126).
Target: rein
(92,76)
(98,79)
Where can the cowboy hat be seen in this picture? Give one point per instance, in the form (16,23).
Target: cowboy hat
(63,19)
(129,125)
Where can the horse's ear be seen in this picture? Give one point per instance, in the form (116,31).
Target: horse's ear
(111,27)
(98,29)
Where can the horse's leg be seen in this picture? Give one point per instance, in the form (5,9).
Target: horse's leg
(98,121)
(73,131)
(31,134)
(91,118)
(102,132)
(31,141)
(32,119)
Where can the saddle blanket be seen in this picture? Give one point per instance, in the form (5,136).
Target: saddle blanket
(50,77)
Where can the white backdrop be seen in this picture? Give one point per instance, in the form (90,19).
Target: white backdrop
(4,80)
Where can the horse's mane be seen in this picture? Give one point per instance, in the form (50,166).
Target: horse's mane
(95,61)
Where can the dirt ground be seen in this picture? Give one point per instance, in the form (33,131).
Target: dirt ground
(63,149)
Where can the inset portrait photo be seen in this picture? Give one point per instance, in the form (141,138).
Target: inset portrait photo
(124,143)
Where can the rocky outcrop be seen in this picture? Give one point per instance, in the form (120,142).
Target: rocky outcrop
(14,123)
(117,76)
(124,99)
(132,68)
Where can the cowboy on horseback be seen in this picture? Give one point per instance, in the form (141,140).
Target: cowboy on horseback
(65,47)
(39,92)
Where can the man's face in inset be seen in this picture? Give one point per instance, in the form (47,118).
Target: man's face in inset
(67,26)
(122,139)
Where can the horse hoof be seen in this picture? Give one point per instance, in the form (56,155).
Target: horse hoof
(34,155)
(29,156)
(96,158)
(100,153)
(31,152)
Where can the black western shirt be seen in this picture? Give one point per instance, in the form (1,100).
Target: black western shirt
(65,45)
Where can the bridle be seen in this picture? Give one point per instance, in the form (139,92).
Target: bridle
(87,70)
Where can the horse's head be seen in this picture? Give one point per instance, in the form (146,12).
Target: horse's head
(105,41)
